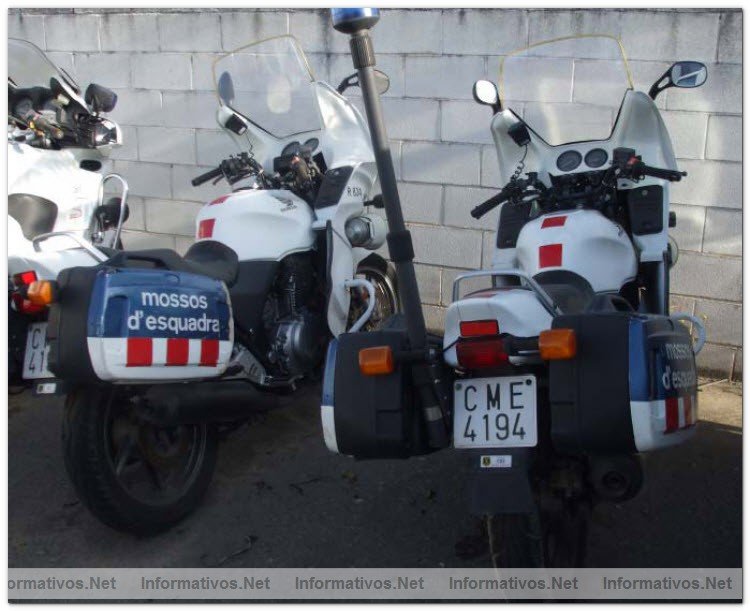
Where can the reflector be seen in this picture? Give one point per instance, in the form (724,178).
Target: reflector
(557,344)
(376,361)
(481,353)
(476,328)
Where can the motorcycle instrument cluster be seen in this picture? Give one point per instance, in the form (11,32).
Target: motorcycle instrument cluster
(596,158)
(569,161)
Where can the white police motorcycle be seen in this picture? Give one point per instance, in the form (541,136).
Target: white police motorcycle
(57,216)
(560,365)
(156,352)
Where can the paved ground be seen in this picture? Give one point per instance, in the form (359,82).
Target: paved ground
(280,499)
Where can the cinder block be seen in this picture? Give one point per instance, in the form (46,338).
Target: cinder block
(137,107)
(412,119)
(434,318)
(681,304)
(446,77)
(63,60)
(459,202)
(407,31)
(183,243)
(138,240)
(428,279)
(688,133)
(65,31)
(709,183)
(320,66)
(491,168)
(184,191)
(448,276)
(214,146)
(129,32)
(489,245)
(723,232)
(724,138)
(137,218)
(481,31)
(146,179)
(441,163)
(669,35)
(715,361)
(173,217)
(393,65)
(465,122)
(313,29)
(548,24)
(107,69)
(239,28)
(723,321)
(161,71)
(421,203)
(26,27)
(721,93)
(202,66)
(128,151)
(189,32)
(446,246)
(737,373)
(190,109)
(689,230)
(166,145)
(730,36)
(708,276)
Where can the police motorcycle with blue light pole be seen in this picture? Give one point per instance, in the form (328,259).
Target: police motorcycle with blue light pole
(58,139)
(159,353)
(564,362)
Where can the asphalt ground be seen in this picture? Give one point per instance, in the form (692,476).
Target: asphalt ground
(280,499)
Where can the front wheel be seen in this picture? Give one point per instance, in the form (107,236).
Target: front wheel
(132,475)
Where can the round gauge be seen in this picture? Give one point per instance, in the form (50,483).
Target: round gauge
(312,144)
(291,149)
(596,158)
(569,161)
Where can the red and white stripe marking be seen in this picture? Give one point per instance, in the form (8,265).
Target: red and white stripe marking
(679,413)
(171,352)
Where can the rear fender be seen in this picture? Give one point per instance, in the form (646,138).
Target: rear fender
(499,480)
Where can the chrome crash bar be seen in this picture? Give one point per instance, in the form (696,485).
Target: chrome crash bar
(123,201)
(86,245)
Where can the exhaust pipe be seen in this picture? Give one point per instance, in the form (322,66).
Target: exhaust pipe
(193,403)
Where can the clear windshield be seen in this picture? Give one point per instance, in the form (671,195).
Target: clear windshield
(28,66)
(270,83)
(567,89)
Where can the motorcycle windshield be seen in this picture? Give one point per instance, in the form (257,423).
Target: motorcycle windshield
(28,67)
(270,83)
(567,89)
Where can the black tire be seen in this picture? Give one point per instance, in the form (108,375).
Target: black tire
(89,423)
(540,539)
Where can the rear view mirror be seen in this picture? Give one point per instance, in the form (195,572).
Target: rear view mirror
(685,75)
(486,93)
(225,87)
(100,99)
(382,82)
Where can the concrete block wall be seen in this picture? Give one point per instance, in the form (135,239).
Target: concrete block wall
(159,63)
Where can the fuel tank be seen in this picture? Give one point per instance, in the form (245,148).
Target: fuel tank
(581,241)
(258,224)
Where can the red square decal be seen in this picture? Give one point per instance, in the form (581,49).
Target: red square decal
(140,353)
(206,228)
(550,255)
(177,351)
(209,352)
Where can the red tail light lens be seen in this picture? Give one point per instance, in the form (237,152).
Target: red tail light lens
(24,278)
(478,328)
(481,353)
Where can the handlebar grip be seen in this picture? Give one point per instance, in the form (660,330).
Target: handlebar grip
(671,175)
(41,123)
(491,203)
(199,180)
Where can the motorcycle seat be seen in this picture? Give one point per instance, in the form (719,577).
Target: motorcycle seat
(207,258)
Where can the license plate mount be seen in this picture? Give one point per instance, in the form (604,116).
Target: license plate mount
(497,412)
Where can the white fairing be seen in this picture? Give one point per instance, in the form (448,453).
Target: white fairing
(590,245)
(259,225)
(517,312)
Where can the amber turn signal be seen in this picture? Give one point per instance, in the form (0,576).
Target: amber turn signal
(376,361)
(42,292)
(557,344)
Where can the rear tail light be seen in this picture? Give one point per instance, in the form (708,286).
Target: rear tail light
(480,345)
(21,282)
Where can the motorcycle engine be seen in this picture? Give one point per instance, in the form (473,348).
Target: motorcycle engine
(295,327)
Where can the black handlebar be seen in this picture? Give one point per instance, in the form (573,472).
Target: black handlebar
(211,174)
(490,204)
(671,175)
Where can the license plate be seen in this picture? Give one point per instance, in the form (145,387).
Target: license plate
(37,350)
(495,412)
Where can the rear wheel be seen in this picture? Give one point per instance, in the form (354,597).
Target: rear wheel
(551,539)
(132,475)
